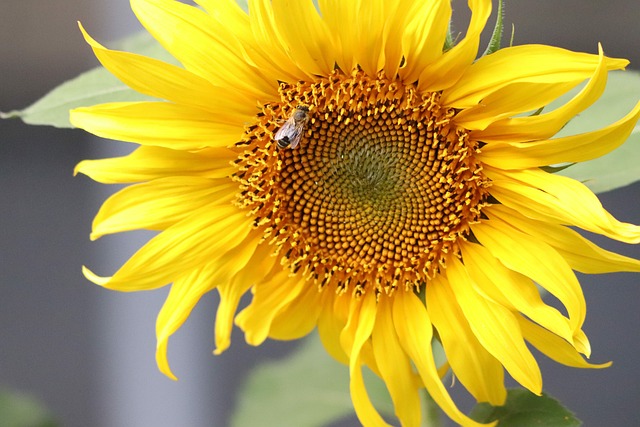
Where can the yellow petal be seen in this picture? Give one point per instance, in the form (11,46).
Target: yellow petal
(159,204)
(581,343)
(166,81)
(548,197)
(271,43)
(496,328)
(330,327)
(512,290)
(94,278)
(424,36)
(362,317)
(156,123)
(230,294)
(581,254)
(378,40)
(395,367)
(341,20)
(266,55)
(359,29)
(535,64)
(188,289)
(228,14)
(480,372)
(260,267)
(445,72)
(310,43)
(268,300)
(183,296)
(509,101)
(537,260)
(299,317)
(554,347)
(415,332)
(201,238)
(574,148)
(399,13)
(148,162)
(202,46)
(348,333)
(543,126)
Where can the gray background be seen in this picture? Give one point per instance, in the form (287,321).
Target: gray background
(88,354)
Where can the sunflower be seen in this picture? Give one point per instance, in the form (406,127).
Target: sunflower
(361,174)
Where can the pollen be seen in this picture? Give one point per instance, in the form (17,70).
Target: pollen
(381,188)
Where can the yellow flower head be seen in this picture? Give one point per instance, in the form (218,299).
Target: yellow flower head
(360,175)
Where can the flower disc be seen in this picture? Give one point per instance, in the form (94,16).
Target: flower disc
(380,188)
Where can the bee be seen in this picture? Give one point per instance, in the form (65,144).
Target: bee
(291,131)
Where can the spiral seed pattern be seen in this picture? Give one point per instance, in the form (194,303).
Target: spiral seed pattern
(381,187)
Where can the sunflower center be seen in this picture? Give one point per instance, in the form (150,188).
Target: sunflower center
(378,188)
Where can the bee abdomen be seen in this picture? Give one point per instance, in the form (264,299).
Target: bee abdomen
(283,142)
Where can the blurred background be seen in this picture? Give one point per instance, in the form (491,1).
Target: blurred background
(88,353)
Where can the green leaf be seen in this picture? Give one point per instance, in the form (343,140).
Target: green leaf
(90,88)
(307,389)
(17,410)
(525,409)
(93,87)
(620,167)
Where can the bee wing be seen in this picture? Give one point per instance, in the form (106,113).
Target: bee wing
(295,136)
(285,130)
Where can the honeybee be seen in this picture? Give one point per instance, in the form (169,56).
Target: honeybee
(291,131)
